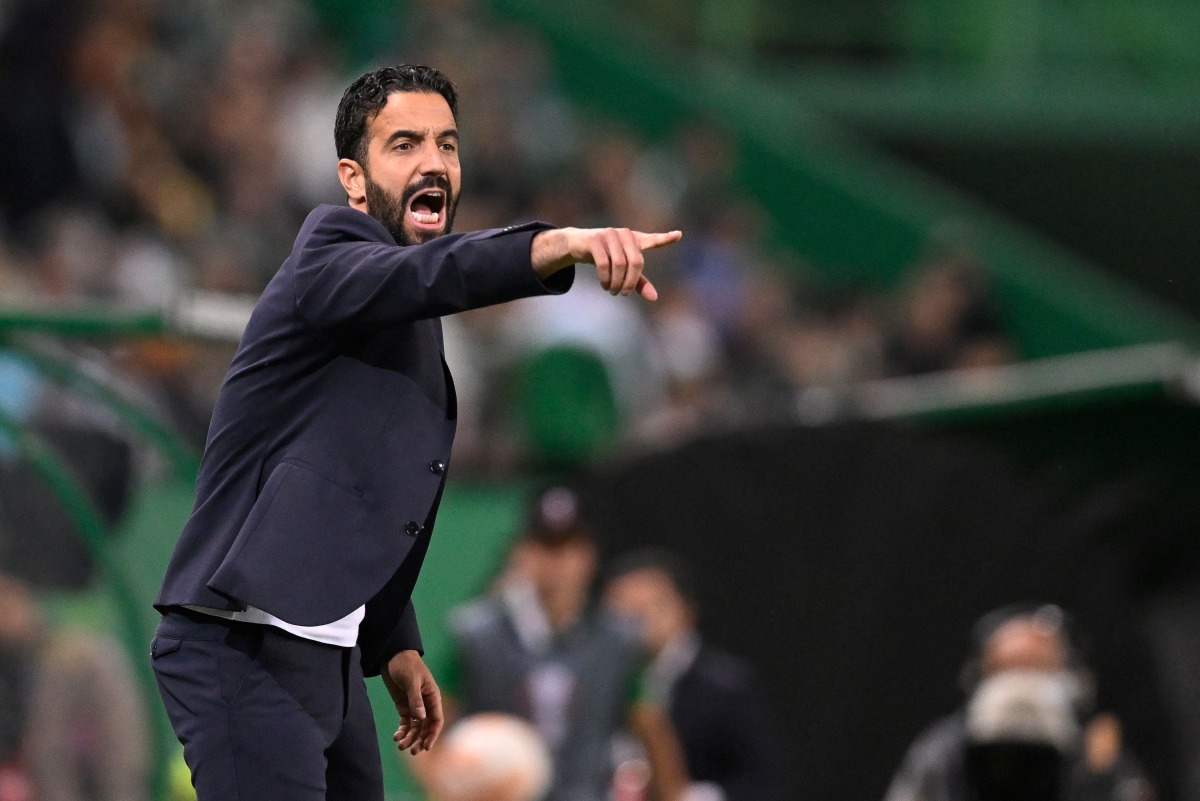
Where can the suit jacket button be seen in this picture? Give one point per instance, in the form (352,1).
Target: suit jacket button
(412,528)
(437,467)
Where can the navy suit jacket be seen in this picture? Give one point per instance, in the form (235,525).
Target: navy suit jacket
(330,439)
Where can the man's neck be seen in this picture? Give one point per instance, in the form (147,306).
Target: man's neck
(562,612)
(532,618)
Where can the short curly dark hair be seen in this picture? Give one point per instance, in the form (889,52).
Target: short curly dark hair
(368,94)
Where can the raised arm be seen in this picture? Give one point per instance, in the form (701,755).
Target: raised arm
(348,279)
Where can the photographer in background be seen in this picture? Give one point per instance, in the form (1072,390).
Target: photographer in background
(1028,731)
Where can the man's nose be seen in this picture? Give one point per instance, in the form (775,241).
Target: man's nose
(433,161)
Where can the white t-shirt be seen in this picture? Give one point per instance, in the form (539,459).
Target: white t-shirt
(343,632)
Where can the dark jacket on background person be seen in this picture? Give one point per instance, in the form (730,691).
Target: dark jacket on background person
(722,722)
(330,440)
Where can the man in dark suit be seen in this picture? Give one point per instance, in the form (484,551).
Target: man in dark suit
(714,703)
(327,455)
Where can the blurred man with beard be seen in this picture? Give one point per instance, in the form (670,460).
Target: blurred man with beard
(712,697)
(326,458)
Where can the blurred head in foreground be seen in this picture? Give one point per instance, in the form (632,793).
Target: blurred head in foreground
(487,757)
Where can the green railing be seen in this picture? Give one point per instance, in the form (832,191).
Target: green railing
(183,460)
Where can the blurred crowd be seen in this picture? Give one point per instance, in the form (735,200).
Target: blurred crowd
(152,149)
(73,723)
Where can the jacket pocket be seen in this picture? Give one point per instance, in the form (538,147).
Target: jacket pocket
(288,558)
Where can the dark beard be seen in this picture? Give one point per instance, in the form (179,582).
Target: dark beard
(392,211)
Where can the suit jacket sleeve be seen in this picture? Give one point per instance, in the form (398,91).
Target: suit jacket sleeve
(351,281)
(379,646)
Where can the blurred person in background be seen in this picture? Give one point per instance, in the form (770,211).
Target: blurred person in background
(20,635)
(947,318)
(696,392)
(87,735)
(491,756)
(712,697)
(1028,731)
(539,649)
(72,724)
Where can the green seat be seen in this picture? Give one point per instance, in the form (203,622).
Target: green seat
(565,405)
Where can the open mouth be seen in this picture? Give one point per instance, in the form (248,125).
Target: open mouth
(427,209)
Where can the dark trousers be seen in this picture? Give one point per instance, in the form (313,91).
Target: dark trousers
(264,715)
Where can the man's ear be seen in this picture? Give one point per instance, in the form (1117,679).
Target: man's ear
(354,181)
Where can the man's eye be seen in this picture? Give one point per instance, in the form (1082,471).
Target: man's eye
(449,147)
(404,146)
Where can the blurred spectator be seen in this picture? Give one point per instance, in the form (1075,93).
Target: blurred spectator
(947,317)
(835,340)
(88,738)
(539,650)
(35,140)
(72,725)
(714,703)
(1028,731)
(153,132)
(688,352)
(20,632)
(614,332)
(39,541)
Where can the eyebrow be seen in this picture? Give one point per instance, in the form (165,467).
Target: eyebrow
(405,133)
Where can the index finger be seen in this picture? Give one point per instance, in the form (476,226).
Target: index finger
(646,289)
(650,241)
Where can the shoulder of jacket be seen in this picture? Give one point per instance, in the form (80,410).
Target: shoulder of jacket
(346,222)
